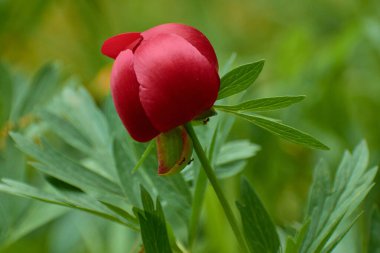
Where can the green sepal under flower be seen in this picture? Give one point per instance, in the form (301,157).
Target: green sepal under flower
(174,150)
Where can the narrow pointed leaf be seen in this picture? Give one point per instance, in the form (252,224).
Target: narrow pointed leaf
(153,225)
(259,230)
(239,79)
(56,165)
(262,104)
(72,200)
(43,85)
(333,205)
(284,131)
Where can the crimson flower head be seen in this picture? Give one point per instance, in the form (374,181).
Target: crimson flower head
(161,78)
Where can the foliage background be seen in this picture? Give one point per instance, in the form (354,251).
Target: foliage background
(327,50)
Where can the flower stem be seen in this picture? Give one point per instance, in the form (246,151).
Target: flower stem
(199,193)
(215,184)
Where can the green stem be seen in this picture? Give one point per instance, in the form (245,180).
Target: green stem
(199,194)
(215,184)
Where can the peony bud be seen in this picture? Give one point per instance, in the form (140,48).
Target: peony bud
(162,78)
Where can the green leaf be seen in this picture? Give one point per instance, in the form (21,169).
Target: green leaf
(233,156)
(44,84)
(332,243)
(128,181)
(284,131)
(12,165)
(173,190)
(69,116)
(18,217)
(67,131)
(120,211)
(259,230)
(374,239)
(51,162)
(37,215)
(321,186)
(236,150)
(293,244)
(68,199)
(262,104)
(333,205)
(112,154)
(153,225)
(239,79)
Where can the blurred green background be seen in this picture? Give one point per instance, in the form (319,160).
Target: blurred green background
(328,50)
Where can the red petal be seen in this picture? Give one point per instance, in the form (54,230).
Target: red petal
(177,82)
(114,45)
(125,93)
(192,35)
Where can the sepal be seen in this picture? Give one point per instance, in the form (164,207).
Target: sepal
(174,150)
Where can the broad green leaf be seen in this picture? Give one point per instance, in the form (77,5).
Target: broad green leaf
(173,191)
(259,230)
(69,116)
(77,106)
(66,131)
(262,104)
(12,165)
(117,238)
(50,162)
(100,206)
(332,243)
(112,154)
(153,225)
(91,235)
(374,239)
(73,200)
(239,79)
(43,85)
(333,205)
(321,186)
(284,131)
(37,215)
(128,181)
(236,150)
(233,156)
(91,163)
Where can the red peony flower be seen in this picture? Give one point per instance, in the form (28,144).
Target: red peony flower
(161,78)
